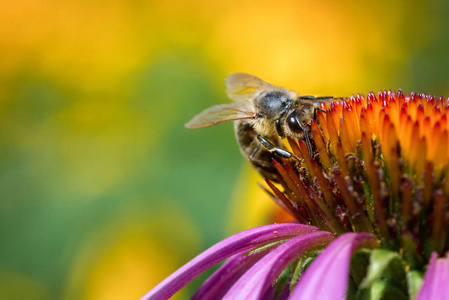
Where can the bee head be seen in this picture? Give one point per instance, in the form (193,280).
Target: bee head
(270,107)
(272,104)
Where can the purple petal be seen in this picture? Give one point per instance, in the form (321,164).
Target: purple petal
(239,242)
(435,280)
(285,293)
(327,276)
(269,294)
(219,283)
(254,283)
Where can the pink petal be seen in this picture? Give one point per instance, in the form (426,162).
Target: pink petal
(219,283)
(254,283)
(239,242)
(436,279)
(285,293)
(327,277)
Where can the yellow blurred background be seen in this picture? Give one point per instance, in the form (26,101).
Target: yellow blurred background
(103,192)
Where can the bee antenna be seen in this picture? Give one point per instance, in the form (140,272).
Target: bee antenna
(309,145)
(320,109)
(306,137)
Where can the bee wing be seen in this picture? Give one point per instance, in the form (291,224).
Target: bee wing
(318,100)
(242,86)
(222,113)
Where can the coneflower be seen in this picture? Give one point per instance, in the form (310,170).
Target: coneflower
(371,205)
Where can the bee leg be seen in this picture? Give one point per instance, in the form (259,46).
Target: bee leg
(261,160)
(253,153)
(270,147)
(256,160)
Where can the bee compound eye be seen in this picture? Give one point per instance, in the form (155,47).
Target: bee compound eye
(293,123)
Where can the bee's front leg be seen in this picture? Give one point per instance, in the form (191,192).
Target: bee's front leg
(273,149)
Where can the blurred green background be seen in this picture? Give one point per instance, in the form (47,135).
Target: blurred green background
(103,192)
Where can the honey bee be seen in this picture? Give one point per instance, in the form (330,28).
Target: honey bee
(263,114)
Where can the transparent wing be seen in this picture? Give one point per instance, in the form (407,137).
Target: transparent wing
(317,101)
(217,114)
(242,86)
